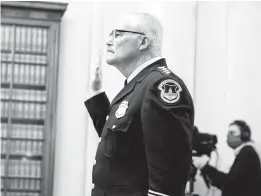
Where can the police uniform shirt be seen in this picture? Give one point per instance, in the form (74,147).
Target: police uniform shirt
(145,145)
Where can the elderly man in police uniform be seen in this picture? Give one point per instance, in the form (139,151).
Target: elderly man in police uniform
(145,133)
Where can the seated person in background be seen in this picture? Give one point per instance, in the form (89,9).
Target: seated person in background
(244,177)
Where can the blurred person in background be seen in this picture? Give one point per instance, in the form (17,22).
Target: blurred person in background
(244,177)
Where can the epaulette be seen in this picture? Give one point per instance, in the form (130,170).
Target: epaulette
(164,70)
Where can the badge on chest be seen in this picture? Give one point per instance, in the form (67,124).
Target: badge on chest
(122,109)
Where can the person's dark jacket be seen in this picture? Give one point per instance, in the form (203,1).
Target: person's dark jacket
(244,177)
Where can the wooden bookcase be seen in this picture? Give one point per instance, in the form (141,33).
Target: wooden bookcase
(29,72)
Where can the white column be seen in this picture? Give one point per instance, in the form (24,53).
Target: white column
(211,75)
(72,119)
(96,60)
(244,49)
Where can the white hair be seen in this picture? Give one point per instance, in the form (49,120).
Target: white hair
(152,28)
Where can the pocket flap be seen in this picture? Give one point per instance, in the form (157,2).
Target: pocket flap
(123,124)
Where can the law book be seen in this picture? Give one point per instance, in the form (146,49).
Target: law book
(17,38)
(9,72)
(22,39)
(22,74)
(2,185)
(14,94)
(41,132)
(38,185)
(3,108)
(39,39)
(10,168)
(3,129)
(35,132)
(15,146)
(34,37)
(2,36)
(37,95)
(20,184)
(45,38)
(26,107)
(31,74)
(16,167)
(37,75)
(17,109)
(27,74)
(28,39)
(14,132)
(6,38)
(3,72)
(2,167)
(38,169)
(42,75)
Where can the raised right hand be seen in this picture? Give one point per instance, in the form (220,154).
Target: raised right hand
(97,82)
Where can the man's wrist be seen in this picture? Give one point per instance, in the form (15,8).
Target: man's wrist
(94,93)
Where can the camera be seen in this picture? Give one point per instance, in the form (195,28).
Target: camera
(203,143)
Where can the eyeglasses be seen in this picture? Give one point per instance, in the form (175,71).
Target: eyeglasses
(116,32)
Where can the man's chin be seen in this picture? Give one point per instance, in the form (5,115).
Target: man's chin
(110,61)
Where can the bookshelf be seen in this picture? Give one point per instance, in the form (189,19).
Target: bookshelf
(29,67)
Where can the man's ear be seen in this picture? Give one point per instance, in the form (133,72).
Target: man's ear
(145,42)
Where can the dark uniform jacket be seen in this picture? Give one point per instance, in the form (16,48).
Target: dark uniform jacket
(244,177)
(145,145)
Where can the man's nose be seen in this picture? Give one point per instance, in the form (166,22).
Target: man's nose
(109,41)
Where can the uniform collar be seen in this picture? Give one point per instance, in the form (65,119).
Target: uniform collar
(137,79)
(141,67)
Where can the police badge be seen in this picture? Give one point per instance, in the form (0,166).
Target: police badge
(122,109)
(169,91)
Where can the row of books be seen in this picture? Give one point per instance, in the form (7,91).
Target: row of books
(24,110)
(22,131)
(6,56)
(3,146)
(22,147)
(6,72)
(28,58)
(3,166)
(24,94)
(20,194)
(29,184)
(26,38)
(7,32)
(25,74)
(22,168)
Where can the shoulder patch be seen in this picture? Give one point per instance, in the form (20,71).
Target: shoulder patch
(164,70)
(169,91)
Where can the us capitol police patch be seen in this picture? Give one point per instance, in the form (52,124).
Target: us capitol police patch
(169,91)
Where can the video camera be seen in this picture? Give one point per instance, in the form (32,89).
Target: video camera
(203,143)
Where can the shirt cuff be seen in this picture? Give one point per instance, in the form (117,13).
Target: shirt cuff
(155,193)
(94,93)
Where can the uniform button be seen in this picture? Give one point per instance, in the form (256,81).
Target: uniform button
(93,186)
(107,117)
(114,126)
(94,162)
